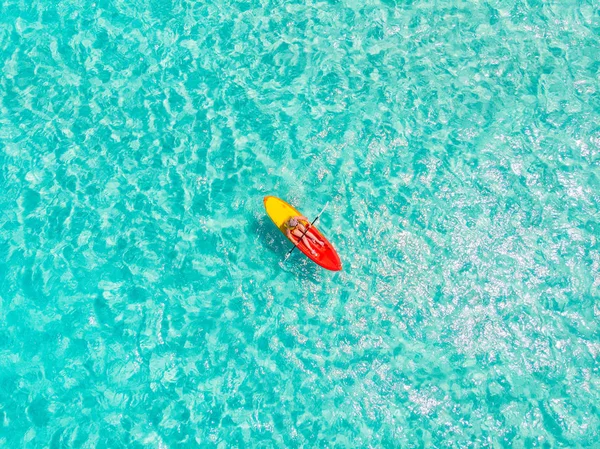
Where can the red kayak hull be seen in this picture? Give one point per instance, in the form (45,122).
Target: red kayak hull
(279,211)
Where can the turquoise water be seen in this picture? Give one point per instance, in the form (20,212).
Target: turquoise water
(144,301)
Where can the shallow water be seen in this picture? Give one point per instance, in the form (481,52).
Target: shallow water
(144,301)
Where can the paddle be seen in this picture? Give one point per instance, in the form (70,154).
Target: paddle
(307,228)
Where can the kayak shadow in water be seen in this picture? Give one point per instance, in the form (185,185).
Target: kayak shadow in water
(270,237)
(301,265)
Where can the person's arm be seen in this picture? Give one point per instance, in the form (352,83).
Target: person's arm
(302,217)
(289,235)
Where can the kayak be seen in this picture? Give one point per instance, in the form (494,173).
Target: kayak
(280,212)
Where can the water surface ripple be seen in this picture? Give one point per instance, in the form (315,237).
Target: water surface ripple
(143,297)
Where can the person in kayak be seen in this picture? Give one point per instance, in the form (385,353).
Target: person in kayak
(295,227)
